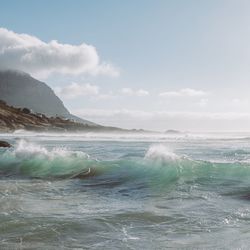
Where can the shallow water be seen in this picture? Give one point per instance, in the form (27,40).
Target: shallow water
(90,191)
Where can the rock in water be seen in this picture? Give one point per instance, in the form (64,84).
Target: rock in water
(4,144)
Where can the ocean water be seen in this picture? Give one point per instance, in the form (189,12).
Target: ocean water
(103,191)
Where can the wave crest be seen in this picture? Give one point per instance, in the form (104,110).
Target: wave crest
(29,150)
(160,152)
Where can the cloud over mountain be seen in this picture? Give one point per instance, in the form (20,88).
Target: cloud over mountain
(76,90)
(30,54)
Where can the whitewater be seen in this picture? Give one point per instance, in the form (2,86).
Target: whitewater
(125,191)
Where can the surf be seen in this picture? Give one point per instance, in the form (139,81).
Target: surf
(160,166)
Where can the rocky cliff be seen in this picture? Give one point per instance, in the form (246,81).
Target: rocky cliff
(19,89)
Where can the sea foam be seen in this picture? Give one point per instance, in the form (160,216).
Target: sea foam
(25,149)
(161,153)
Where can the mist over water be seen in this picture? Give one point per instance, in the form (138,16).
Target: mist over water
(135,191)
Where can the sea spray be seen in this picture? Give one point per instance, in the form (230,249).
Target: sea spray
(32,160)
(27,150)
(160,152)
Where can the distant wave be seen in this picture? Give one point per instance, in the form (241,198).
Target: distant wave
(129,136)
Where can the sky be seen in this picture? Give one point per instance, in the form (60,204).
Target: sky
(151,64)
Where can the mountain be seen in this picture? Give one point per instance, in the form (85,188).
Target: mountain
(19,89)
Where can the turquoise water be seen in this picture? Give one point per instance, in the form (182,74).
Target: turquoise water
(97,191)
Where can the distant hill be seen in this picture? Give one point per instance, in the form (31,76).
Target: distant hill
(12,119)
(19,89)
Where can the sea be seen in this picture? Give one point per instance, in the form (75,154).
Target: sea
(125,191)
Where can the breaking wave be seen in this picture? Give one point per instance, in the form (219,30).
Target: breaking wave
(31,160)
(159,166)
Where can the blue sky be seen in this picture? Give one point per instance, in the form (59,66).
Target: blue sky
(176,64)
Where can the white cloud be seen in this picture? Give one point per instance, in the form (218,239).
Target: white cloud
(142,92)
(30,54)
(240,102)
(75,90)
(106,96)
(132,92)
(186,92)
(203,102)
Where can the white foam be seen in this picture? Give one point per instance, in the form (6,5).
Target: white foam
(161,152)
(25,149)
